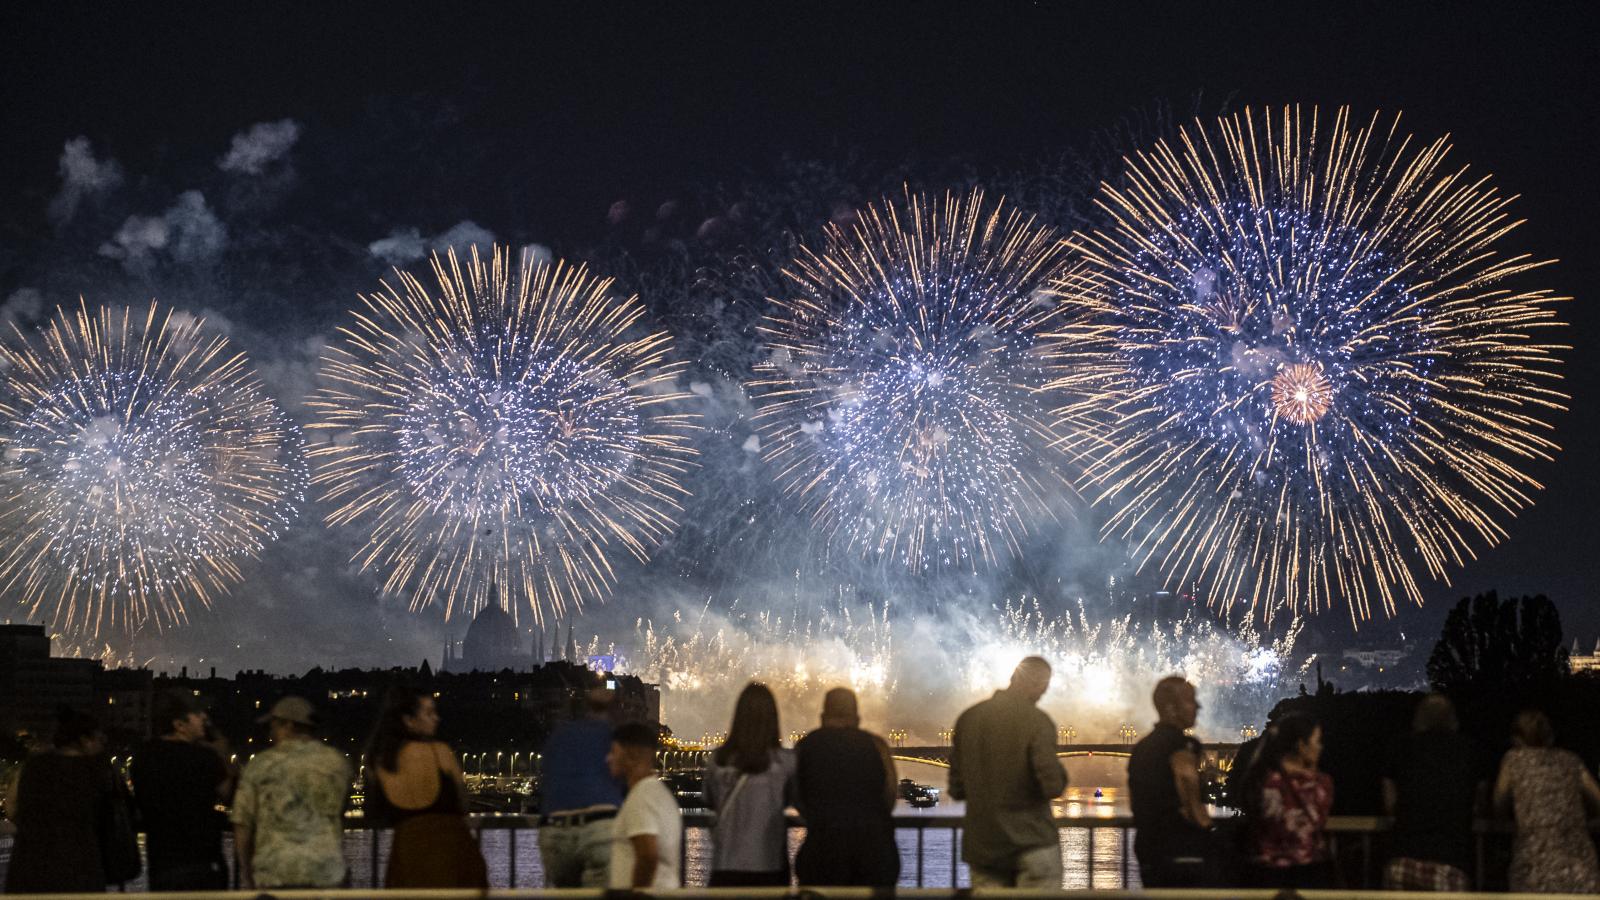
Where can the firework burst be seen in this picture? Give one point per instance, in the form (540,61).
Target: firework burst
(512,425)
(899,399)
(1308,361)
(140,462)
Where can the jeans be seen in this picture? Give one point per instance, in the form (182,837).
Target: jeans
(1036,867)
(576,855)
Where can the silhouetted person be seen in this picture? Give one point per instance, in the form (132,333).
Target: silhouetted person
(578,798)
(1003,763)
(1546,788)
(1288,801)
(288,813)
(178,780)
(1172,826)
(58,806)
(415,784)
(1432,785)
(749,783)
(845,789)
(647,835)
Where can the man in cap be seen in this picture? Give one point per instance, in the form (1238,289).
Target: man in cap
(845,781)
(287,812)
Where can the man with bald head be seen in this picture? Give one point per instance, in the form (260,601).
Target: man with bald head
(1003,764)
(1173,841)
(845,790)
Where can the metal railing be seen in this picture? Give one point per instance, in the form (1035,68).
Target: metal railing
(1356,843)
(694,893)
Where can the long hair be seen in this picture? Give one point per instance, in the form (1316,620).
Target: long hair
(754,733)
(1281,740)
(383,750)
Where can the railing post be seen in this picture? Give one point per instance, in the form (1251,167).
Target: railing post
(920,833)
(512,843)
(1092,830)
(1478,840)
(955,854)
(1366,858)
(375,884)
(1125,855)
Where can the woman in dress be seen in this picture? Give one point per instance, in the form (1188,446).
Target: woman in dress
(1546,789)
(59,806)
(749,784)
(415,785)
(1287,800)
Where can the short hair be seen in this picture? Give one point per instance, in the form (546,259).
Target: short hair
(1032,669)
(1533,728)
(169,706)
(1435,712)
(1165,688)
(598,699)
(840,703)
(635,735)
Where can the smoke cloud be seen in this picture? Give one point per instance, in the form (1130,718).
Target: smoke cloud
(262,145)
(82,176)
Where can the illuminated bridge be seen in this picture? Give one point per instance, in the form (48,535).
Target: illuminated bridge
(1219,754)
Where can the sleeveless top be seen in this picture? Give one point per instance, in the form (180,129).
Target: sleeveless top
(446,802)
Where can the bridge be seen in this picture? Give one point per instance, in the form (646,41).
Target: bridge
(1220,754)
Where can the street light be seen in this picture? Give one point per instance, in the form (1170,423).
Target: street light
(1128,733)
(946,735)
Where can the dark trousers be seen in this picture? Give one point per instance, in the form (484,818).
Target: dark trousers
(198,876)
(1188,858)
(848,857)
(731,878)
(1313,876)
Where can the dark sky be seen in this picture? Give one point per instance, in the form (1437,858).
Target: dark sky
(530,119)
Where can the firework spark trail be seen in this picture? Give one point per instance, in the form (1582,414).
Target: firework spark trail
(1104,670)
(140,462)
(1310,374)
(701,662)
(899,397)
(511,426)
(1109,667)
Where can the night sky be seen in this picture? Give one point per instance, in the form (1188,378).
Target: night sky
(529,121)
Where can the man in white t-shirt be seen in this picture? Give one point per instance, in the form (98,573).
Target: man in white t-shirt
(649,827)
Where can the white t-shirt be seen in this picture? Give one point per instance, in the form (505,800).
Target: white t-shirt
(649,809)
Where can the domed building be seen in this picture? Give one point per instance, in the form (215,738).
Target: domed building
(492,642)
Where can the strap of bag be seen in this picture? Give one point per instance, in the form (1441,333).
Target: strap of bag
(728,803)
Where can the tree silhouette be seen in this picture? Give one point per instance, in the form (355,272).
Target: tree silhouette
(1490,644)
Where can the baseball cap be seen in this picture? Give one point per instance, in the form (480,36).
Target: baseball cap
(292,709)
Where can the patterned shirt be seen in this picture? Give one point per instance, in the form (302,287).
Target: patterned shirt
(1294,819)
(293,796)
